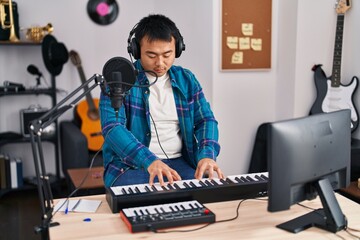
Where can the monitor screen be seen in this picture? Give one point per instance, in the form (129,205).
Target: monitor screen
(309,157)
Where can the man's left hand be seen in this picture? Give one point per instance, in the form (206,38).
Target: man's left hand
(210,166)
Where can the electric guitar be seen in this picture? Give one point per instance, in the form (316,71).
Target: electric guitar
(88,111)
(331,94)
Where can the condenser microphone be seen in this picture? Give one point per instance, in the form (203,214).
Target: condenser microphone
(120,75)
(34,70)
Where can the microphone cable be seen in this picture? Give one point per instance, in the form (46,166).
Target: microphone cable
(157,134)
(67,200)
(137,85)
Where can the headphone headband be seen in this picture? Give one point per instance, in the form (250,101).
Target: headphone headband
(133,46)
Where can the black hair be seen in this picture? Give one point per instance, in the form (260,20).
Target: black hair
(156,27)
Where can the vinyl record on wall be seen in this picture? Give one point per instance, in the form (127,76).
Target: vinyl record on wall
(103,12)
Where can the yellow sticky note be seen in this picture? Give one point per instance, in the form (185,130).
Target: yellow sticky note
(232,42)
(256,44)
(237,58)
(247,29)
(244,43)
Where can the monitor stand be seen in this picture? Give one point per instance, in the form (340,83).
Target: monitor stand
(330,218)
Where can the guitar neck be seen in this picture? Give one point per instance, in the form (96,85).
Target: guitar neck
(336,70)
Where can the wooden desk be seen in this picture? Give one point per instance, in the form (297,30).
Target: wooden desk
(254,222)
(93,180)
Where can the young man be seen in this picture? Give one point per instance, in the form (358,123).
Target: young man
(166,131)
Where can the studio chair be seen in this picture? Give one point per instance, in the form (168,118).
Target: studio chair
(355,159)
(258,162)
(74,150)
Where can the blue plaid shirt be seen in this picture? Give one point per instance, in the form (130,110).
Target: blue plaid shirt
(127,138)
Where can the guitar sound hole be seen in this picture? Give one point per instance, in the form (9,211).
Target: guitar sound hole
(93,114)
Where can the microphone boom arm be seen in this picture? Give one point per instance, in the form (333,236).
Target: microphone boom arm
(35,128)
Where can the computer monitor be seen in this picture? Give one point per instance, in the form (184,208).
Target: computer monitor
(307,157)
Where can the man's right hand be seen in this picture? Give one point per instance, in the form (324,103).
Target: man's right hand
(161,170)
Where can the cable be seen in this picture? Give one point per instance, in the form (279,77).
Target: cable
(346,229)
(208,224)
(157,136)
(67,200)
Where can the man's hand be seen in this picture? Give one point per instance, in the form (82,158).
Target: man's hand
(160,169)
(208,165)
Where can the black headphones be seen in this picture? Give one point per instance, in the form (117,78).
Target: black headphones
(133,47)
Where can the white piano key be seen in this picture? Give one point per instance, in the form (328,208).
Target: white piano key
(158,187)
(141,188)
(151,209)
(128,212)
(117,190)
(166,207)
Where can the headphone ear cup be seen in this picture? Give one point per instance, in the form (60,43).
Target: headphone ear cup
(180,46)
(134,48)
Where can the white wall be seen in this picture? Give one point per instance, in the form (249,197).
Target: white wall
(95,45)
(303,34)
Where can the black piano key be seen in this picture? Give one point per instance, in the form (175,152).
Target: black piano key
(202,183)
(259,178)
(239,180)
(123,191)
(197,205)
(147,189)
(214,182)
(186,185)
(137,190)
(170,187)
(264,177)
(154,188)
(223,181)
(192,184)
(130,191)
(228,180)
(137,213)
(208,183)
(244,179)
(250,179)
(157,210)
(177,186)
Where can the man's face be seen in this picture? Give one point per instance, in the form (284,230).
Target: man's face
(158,55)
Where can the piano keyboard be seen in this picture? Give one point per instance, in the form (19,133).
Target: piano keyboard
(140,219)
(205,191)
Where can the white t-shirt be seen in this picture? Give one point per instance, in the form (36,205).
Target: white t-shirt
(163,112)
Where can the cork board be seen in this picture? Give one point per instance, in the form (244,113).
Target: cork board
(246,34)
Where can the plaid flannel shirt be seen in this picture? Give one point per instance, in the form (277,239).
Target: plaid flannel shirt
(128,137)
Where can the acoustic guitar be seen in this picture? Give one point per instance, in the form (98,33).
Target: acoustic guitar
(332,95)
(88,111)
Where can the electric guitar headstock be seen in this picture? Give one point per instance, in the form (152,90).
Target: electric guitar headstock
(342,6)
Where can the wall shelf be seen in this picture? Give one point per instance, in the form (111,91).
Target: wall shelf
(15,138)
